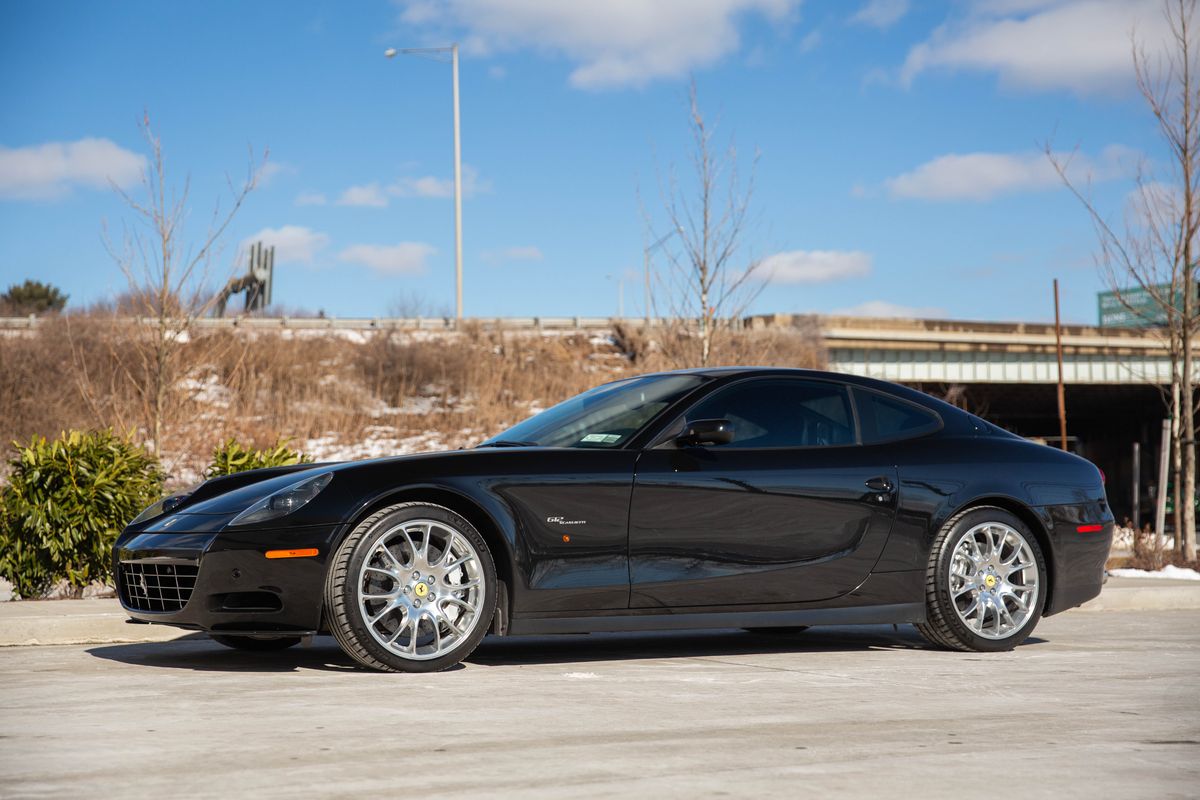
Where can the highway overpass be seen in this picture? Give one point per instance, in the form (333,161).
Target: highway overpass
(1008,372)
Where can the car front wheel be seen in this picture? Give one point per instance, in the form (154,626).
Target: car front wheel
(985,585)
(411,589)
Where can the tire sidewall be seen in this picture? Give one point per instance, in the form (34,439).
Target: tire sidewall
(961,527)
(362,542)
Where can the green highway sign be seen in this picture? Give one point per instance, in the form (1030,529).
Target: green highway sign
(1135,308)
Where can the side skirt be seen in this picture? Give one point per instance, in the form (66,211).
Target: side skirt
(859,615)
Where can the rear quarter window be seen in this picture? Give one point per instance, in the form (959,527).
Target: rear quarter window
(884,418)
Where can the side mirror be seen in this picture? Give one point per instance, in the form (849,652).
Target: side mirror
(705,431)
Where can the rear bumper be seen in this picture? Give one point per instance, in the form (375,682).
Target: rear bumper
(236,590)
(1078,557)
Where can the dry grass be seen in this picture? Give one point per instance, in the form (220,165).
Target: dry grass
(326,390)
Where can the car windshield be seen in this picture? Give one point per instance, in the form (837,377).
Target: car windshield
(607,416)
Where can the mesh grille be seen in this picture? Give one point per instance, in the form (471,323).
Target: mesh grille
(157,586)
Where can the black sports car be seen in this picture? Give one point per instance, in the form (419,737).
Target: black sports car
(752,498)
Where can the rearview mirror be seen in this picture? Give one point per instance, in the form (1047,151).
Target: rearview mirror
(705,431)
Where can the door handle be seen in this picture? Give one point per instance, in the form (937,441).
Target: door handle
(881,484)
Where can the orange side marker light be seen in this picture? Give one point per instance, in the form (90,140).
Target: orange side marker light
(303,553)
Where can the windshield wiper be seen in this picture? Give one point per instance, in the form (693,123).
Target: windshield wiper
(507,443)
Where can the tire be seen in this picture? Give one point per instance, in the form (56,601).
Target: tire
(785,630)
(985,583)
(391,594)
(251,644)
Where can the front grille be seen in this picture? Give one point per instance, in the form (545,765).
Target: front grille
(157,585)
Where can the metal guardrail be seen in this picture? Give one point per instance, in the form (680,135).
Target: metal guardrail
(834,331)
(368,323)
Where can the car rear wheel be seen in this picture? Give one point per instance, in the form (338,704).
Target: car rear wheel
(256,645)
(411,589)
(985,584)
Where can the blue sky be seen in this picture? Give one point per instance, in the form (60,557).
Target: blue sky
(899,144)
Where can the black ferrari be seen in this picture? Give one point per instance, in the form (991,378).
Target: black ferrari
(744,497)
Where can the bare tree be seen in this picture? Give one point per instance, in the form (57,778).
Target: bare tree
(709,283)
(1152,252)
(166,277)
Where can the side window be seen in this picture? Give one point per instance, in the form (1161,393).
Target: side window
(885,418)
(782,413)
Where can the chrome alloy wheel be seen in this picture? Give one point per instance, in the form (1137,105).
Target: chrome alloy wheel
(420,589)
(993,580)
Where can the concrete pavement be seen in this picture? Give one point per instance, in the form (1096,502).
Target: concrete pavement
(98,621)
(1095,705)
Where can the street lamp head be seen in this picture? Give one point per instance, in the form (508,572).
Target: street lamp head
(390,52)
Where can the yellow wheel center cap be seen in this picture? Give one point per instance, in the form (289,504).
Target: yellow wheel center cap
(990,581)
(420,590)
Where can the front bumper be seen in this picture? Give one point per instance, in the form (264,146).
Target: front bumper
(236,589)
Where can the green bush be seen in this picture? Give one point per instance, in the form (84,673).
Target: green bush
(65,503)
(32,297)
(232,456)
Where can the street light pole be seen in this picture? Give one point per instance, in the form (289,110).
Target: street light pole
(458,304)
(620,279)
(437,54)
(646,251)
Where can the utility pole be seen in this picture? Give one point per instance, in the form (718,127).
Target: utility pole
(437,54)
(1062,398)
(646,251)
(646,274)
(620,279)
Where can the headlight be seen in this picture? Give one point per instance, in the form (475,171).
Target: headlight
(285,501)
(165,505)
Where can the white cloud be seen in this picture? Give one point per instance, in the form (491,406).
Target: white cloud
(273,169)
(293,243)
(982,176)
(430,186)
(881,13)
(51,170)
(613,43)
(810,42)
(1083,45)
(377,195)
(405,258)
(815,266)
(517,253)
(370,195)
(886,308)
(311,199)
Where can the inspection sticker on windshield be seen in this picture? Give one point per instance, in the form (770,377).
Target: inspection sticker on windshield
(601,438)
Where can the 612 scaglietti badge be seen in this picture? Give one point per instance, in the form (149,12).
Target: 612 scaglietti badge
(751,498)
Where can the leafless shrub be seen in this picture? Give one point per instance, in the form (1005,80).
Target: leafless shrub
(344,386)
(631,341)
(710,280)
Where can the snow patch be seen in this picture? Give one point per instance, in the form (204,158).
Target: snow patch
(382,441)
(207,390)
(1169,572)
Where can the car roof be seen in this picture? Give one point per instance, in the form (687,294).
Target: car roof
(949,413)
